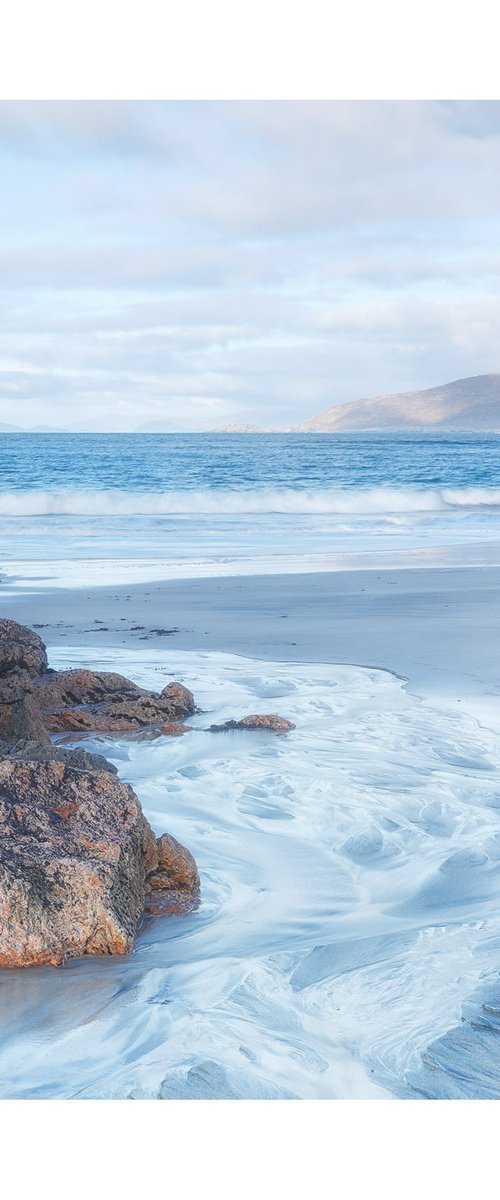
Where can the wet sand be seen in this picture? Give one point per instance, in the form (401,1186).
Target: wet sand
(439,628)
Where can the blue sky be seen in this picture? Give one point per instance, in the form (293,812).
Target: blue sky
(195,263)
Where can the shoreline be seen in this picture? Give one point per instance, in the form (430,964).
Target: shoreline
(434,627)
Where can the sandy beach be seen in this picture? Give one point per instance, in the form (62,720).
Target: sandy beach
(436,627)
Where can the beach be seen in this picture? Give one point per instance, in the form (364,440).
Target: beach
(436,627)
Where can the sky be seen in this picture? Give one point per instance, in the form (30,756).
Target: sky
(196,263)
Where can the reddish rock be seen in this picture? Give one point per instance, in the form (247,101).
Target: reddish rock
(180,698)
(63,689)
(75,850)
(174,729)
(175,884)
(79,862)
(256,721)
(118,716)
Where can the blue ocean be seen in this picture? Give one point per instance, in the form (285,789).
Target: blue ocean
(161,506)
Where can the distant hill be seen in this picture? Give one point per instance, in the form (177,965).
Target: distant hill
(468,404)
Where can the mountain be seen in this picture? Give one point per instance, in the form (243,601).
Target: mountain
(469,404)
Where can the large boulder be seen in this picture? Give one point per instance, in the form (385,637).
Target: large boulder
(21,649)
(79,863)
(76,854)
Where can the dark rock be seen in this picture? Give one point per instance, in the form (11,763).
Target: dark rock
(21,649)
(20,715)
(80,760)
(267,721)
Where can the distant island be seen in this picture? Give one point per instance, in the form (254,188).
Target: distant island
(471,404)
(468,404)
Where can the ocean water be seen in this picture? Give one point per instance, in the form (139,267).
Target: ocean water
(348,939)
(77,508)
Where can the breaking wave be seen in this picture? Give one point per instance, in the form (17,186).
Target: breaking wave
(362,502)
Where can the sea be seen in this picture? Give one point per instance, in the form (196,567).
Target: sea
(88,508)
(347,944)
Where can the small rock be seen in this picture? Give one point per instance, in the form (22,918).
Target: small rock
(180,698)
(175,884)
(256,721)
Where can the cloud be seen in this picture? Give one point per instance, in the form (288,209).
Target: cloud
(196,261)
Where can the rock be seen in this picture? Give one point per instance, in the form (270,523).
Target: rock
(122,716)
(174,885)
(33,751)
(22,658)
(20,715)
(78,859)
(75,850)
(62,689)
(174,729)
(21,649)
(256,721)
(180,698)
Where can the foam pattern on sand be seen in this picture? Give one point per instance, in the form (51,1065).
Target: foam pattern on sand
(348,942)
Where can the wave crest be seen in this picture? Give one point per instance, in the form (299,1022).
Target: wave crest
(362,502)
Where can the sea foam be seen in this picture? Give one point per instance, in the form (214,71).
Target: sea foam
(358,501)
(350,912)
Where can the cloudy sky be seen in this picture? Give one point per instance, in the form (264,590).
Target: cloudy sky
(197,263)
